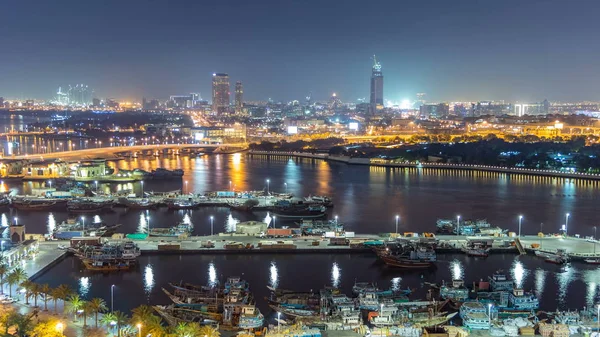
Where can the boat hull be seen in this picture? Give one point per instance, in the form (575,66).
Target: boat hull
(406,263)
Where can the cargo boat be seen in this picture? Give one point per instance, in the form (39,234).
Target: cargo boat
(560,257)
(73,228)
(300,212)
(38,204)
(175,231)
(108,257)
(138,203)
(88,205)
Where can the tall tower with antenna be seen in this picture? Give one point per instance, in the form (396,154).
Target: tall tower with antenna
(376,102)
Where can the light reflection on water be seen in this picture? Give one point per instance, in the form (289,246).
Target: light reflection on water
(564,278)
(457,270)
(231,224)
(84,286)
(51,223)
(396,283)
(540,282)
(143,223)
(212,275)
(336,274)
(519,273)
(148,279)
(273,276)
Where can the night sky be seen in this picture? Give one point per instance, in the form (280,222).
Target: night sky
(523,50)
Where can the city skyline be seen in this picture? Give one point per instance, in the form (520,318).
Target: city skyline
(466,51)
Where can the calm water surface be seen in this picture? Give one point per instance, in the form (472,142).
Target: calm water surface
(366,200)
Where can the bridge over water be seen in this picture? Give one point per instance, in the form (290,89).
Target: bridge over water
(106,152)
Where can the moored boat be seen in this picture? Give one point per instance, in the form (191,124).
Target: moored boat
(560,257)
(88,205)
(175,231)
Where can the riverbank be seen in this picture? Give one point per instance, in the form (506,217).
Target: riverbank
(380,162)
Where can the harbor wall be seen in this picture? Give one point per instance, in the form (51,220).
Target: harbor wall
(380,162)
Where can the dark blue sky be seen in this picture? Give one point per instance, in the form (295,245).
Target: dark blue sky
(453,50)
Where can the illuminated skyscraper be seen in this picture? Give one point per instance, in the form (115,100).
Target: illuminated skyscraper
(239,97)
(376,87)
(220,93)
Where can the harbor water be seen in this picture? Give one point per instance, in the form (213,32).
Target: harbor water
(366,200)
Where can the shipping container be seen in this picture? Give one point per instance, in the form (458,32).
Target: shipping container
(330,234)
(279,231)
(349,234)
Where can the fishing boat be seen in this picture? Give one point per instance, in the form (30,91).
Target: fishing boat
(138,203)
(362,287)
(456,291)
(410,255)
(560,257)
(592,261)
(38,204)
(476,251)
(108,257)
(178,204)
(175,315)
(406,261)
(88,205)
(521,300)
(75,228)
(319,200)
(246,206)
(108,265)
(175,231)
(303,212)
(250,317)
(295,304)
(320,227)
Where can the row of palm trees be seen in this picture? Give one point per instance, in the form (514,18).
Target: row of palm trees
(143,318)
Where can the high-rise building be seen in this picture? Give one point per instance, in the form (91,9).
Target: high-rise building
(376,87)
(220,93)
(239,97)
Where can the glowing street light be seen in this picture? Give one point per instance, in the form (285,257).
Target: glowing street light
(212,218)
(268,181)
(458,225)
(567,222)
(96,182)
(83,223)
(520,220)
(60,327)
(230,188)
(274,218)
(285,184)
(397,219)
(142,182)
(112,297)
(336,219)
(139,326)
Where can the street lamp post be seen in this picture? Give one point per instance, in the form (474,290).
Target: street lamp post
(142,182)
(50,182)
(490,313)
(336,219)
(212,218)
(595,243)
(268,181)
(60,327)
(567,223)
(541,231)
(139,326)
(112,297)
(96,185)
(397,219)
(186,189)
(285,184)
(83,223)
(16,221)
(520,220)
(230,188)
(278,321)
(274,218)
(458,225)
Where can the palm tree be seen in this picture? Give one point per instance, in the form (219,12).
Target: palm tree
(36,290)
(86,309)
(73,304)
(142,314)
(28,287)
(45,289)
(107,319)
(121,319)
(3,272)
(16,276)
(209,331)
(62,292)
(97,305)
(192,329)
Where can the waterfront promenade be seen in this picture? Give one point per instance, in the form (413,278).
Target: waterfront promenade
(380,162)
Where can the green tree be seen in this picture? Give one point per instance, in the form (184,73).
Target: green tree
(36,290)
(73,304)
(97,305)
(15,277)
(121,319)
(28,286)
(62,292)
(47,328)
(107,319)
(45,289)
(3,272)
(209,331)
(21,323)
